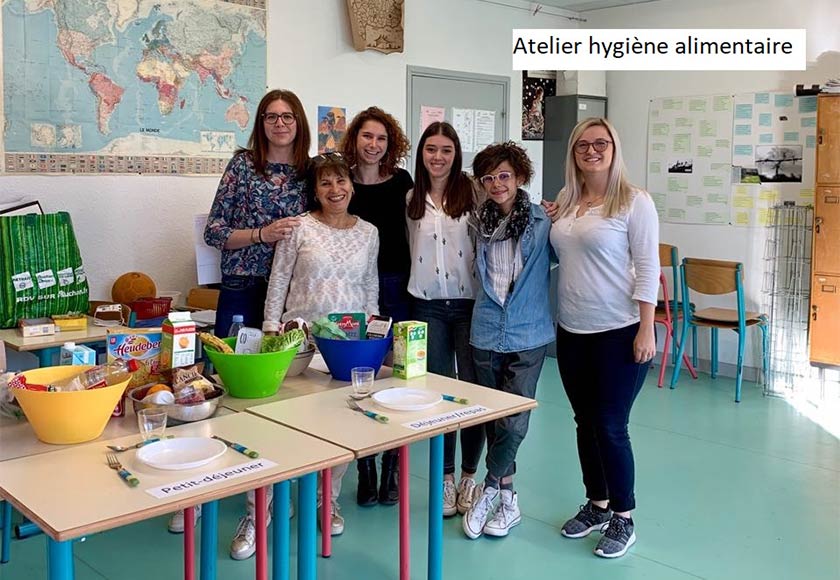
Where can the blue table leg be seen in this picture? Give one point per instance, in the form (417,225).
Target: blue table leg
(307,508)
(436,508)
(26,529)
(7,531)
(60,560)
(280,547)
(209,540)
(45,356)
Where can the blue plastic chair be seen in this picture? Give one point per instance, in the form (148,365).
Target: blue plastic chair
(717,277)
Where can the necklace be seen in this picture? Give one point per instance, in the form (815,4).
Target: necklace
(592,202)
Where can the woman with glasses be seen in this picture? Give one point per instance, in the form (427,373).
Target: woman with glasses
(607,244)
(327,265)
(260,195)
(374,146)
(511,323)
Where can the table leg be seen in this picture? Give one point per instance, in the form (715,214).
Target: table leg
(45,356)
(307,537)
(436,508)
(7,531)
(189,543)
(280,515)
(60,560)
(326,513)
(209,540)
(262,534)
(405,517)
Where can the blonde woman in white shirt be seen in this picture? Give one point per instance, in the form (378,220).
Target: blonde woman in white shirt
(606,241)
(442,283)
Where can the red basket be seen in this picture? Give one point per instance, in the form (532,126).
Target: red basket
(148,308)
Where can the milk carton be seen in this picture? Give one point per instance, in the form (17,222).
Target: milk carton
(177,346)
(409,349)
(76,354)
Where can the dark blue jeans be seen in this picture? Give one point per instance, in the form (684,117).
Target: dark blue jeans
(394,299)
(243,295)
(602,380)
(511,372)
(448,344)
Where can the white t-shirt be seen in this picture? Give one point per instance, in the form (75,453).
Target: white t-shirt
(606,265)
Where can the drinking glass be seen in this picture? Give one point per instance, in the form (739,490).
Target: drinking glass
(362,378)
(152,423)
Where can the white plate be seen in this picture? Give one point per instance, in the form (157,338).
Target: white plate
(406,399)
(181,453)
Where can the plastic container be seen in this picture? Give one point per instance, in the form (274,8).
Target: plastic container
(174,295)
(96,377)
(67,417)
(251,376)
(148,308)
(343,355)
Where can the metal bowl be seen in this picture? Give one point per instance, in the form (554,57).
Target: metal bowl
(180,413)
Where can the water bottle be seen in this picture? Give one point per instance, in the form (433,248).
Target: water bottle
(99,376)
(238,323)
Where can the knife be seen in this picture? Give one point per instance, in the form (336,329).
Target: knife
(236,446)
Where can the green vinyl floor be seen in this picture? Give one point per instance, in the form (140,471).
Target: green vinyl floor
(724,491)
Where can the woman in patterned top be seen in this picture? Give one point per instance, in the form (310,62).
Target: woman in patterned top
(260,194)
(327,265)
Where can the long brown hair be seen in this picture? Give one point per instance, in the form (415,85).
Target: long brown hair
(398,145)
(258,142)
(458,196)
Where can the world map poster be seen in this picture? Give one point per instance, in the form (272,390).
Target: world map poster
(130,86)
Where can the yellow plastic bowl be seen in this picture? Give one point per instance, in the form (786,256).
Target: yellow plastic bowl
(71,417)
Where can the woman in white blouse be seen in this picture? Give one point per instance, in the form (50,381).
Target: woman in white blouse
(606,241)
(327,265)
(442,282)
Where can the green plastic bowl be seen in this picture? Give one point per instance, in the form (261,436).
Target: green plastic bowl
(251,376)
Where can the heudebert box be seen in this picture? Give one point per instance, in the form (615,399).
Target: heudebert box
(409,349)
(177,347)
(140,345)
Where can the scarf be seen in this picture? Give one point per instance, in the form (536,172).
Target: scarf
(493,226)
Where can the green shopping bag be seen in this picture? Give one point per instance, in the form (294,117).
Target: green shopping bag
(41,268)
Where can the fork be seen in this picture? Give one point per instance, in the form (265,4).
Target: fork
(114,463)
(121,448)
(375,416)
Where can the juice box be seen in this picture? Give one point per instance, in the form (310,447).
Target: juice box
(409,349)
(177,346)
(352,323)
(76,354)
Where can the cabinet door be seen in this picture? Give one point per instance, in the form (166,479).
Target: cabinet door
(827,230)
(824,330)
(828,139)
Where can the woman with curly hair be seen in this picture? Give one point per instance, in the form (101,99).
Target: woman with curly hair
(373,147)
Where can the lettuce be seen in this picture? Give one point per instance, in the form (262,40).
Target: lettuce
(326,328)
(292,339)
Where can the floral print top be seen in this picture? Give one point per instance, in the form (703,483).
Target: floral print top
(246,200)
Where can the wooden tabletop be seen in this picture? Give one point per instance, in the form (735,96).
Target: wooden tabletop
(325,415)
(72,492)
(93,333)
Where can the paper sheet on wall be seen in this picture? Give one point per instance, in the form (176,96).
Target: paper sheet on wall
(463,120)
(485,129)
(689,158)
(773,154)
(208,260)
(429,115)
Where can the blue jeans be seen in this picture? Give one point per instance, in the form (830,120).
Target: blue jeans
(448,337)
(394,299)
(243,295)
(602,380)
(516,373)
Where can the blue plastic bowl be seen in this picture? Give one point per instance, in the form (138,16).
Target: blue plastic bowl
(343,355)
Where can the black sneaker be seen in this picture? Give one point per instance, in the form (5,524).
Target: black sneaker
(587,520)
(618,537)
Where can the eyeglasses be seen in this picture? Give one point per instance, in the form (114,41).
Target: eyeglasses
(502,176)
(600,145)
(271,118)
(329,156)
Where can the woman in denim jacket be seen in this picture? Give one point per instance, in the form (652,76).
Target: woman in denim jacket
(511,324)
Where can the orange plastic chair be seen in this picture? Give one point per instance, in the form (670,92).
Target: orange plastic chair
(663,317)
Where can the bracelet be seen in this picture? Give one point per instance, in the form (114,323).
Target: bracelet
(259,233)
(253,238)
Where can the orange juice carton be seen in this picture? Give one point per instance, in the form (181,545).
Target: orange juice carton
(352,323)
(177,346)
(409,349)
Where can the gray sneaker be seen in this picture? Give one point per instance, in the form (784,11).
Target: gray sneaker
(586,521)
(618,537)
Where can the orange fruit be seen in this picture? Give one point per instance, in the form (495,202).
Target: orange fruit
(159,387)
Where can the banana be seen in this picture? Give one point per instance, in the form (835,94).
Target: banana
(214,341)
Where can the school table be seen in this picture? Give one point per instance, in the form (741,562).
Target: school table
(325,415)
(46,347)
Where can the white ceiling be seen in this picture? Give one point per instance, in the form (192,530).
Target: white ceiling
(586,5)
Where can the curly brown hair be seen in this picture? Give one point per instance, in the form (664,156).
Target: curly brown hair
(398,145)
(494,155)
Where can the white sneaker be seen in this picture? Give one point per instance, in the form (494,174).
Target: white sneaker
(466,488)
(449,498)
(483,504)
(506,515)
(336,520)
(176,522)
(244,542)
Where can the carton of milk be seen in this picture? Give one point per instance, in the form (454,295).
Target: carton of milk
(409,349)
(76,354)
(177,346)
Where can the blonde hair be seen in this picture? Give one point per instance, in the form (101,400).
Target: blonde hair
(619,192)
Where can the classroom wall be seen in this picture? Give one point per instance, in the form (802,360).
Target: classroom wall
(629,94)
(142,223)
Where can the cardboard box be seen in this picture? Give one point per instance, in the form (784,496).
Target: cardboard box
(140,345)
(30,327)
(70,322)
(177,347)
(410,349)
(352,323)
(76,354)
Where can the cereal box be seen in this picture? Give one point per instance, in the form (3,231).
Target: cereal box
(177,347)
(142,346)
(409,349)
